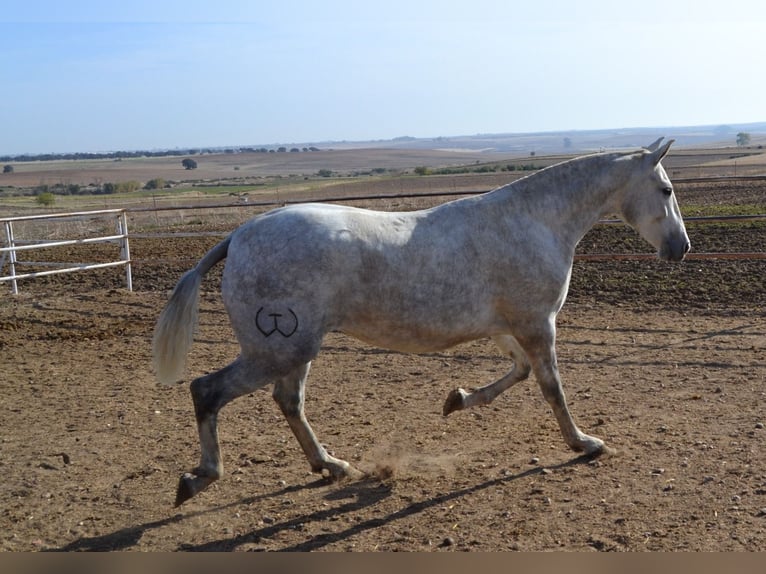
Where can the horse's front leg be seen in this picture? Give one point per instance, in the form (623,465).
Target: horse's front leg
(290,396)
(541,351)
(459,399)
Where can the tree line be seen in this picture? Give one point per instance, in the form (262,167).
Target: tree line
(118,155)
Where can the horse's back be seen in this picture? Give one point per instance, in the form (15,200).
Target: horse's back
(297,242)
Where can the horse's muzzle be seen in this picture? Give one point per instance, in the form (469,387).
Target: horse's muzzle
(675,249)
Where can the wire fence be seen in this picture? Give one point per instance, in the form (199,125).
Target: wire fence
(234,213)
(266,204)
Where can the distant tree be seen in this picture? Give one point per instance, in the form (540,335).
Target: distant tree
(46,199)
(189,164)
(422,170)
(743,139)
(324,173)
(8,169)
(567,143)
(156,183)
(281,149)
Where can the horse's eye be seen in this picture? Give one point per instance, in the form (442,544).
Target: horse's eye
(668,191)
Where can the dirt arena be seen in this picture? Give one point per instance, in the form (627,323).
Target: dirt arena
(666,363)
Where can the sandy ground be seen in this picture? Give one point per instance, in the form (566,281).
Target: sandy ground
(92,447)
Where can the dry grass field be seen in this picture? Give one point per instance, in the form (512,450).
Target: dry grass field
(223,166)
(666,362)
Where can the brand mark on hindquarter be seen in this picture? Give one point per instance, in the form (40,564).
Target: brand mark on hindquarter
(285,325)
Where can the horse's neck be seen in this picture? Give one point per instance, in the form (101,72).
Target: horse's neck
(569,197)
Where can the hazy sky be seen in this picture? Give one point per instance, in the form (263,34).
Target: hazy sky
(98,76)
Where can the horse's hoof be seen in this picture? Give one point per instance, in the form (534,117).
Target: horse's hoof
(341,472)
(603,451)
(184,491)
(595,447)
(455,402)
(190,485)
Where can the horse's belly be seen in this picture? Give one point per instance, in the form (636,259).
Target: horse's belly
(419,333)
(406,342)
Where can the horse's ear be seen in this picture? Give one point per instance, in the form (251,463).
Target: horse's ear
(659,153)
(655,144)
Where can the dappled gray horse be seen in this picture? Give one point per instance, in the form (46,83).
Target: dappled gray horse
(494,265)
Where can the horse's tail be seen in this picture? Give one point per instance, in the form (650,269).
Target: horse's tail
(174,331)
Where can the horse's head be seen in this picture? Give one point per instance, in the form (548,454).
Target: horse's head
(649,204)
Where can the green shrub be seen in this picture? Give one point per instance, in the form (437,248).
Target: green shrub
(46,199)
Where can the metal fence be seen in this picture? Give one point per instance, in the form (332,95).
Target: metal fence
(15,246)
(263,205)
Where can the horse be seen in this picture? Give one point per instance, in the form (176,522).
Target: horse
(494,265)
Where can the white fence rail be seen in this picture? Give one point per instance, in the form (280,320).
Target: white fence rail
(15,245)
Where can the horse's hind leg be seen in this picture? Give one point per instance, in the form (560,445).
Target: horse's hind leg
(459,399)
(289,393)
(209,394)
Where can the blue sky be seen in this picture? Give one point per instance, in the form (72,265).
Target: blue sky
(99,76)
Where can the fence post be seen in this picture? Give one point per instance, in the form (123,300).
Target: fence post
(122,229)
(12,255)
